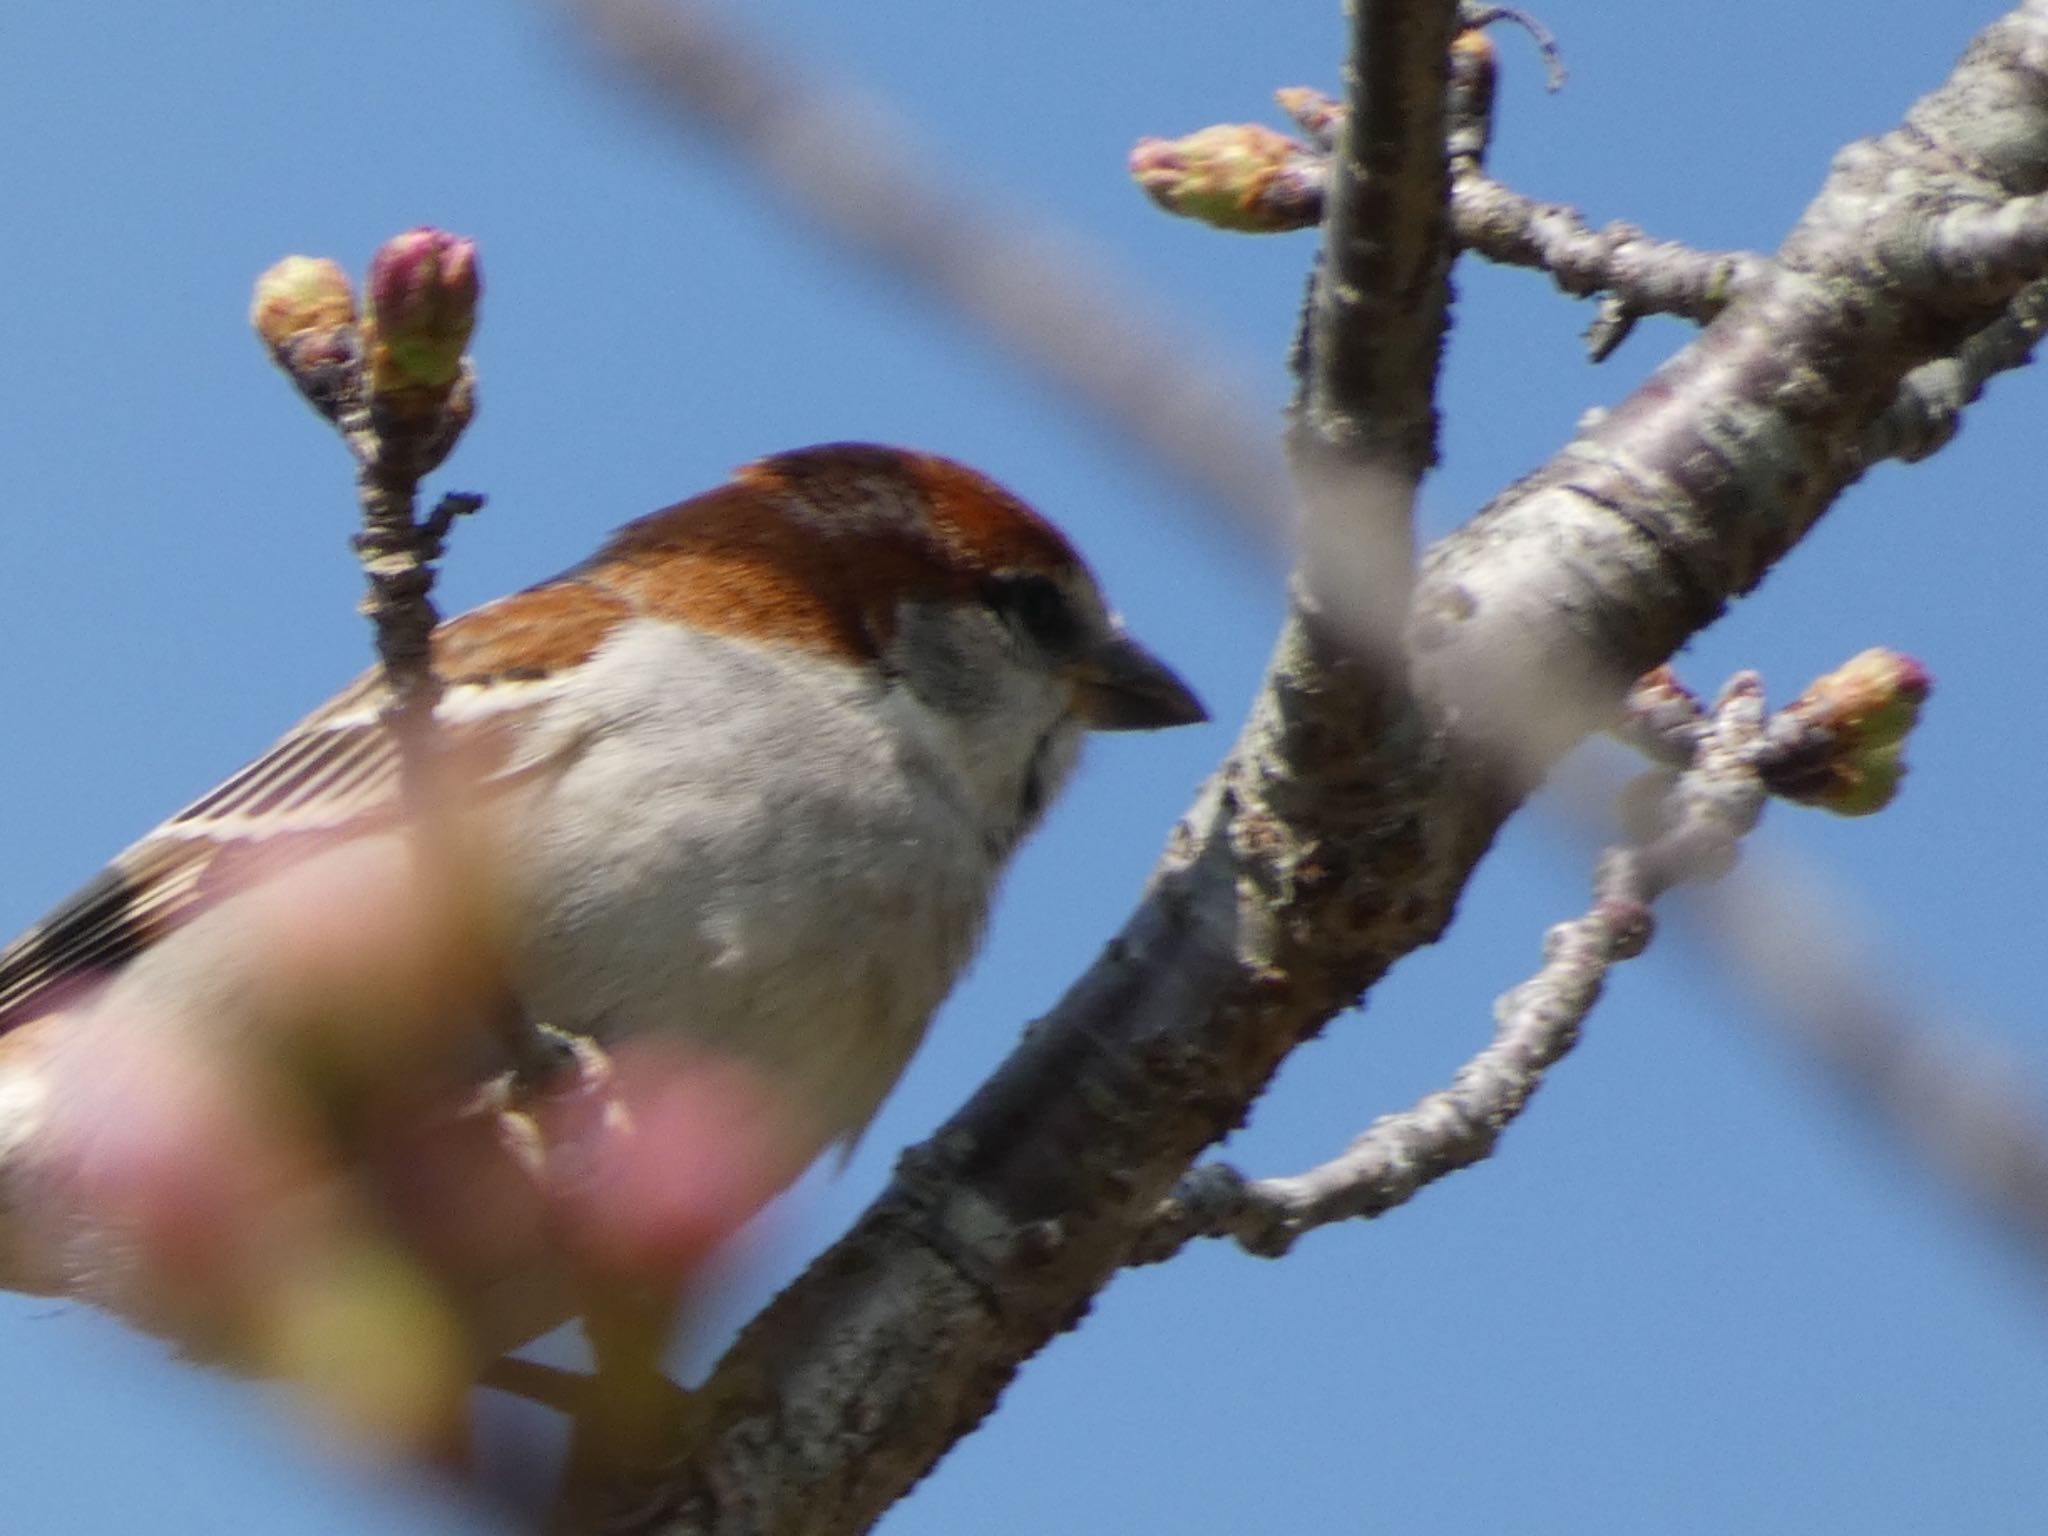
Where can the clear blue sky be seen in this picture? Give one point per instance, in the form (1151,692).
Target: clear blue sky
(1692,1294)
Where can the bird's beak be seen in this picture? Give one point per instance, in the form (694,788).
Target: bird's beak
(1121,686)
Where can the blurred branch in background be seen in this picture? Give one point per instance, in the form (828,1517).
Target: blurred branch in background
(829,151)
(1916,1071)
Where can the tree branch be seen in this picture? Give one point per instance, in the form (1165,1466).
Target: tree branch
(397,387)
(1336,836)
(1643,276)
(1696,825)
(1247,177)
(1373,340)
(1928,411)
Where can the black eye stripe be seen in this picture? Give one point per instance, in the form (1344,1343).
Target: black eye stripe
(1036,605)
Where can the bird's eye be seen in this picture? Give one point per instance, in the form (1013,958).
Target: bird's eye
(1037,606)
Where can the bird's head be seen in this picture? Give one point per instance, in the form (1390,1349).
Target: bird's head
(931,580)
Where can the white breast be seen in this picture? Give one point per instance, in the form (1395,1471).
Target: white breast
(769,856)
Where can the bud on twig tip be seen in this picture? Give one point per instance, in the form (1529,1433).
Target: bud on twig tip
(422,300)
(304,311)
(300,294)
(1845,735)
(1236,176)
(1871,700)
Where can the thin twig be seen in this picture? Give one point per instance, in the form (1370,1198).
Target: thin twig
(1478,16)
(1640,275)
(1699,820)
(397,553)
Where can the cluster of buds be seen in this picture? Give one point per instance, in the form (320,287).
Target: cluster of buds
(1838,745)
(394,376)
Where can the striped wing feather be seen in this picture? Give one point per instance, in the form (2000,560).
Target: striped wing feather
(333,776)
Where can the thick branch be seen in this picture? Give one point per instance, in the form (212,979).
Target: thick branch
(1338,833)
(1929,408)
(1687,492)
(1363,429)
(1983,252)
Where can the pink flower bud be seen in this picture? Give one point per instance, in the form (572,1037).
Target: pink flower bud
(422,297)
(1871,700)
(1239,176)
(1840,742)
